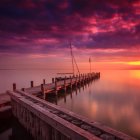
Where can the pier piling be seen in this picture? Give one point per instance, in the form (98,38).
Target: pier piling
(52,80)
(44,81)
(14,86)
(32,83)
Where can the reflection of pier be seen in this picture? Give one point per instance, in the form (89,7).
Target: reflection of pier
(46,121)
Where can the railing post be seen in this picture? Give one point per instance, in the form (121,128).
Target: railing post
(14,86)
(32,83)
(65,83)
(52,80)
(70,81)
(44,81)
(43,91)
(79,79)
(76,80)
(56,87)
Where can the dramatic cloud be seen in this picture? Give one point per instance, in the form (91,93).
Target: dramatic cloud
(45,26)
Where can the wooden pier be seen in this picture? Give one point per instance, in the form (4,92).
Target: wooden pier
(46,121)
(59,83)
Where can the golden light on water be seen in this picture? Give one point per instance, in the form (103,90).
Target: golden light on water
(135,74)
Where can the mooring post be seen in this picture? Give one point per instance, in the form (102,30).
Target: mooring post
(70,82)
(89,76)
(92,75)
(44,81)
(65,83)
(55,87)
(42,87)
(76,81)
(43,91)
(83,79)
(86,77)
(14,86)
(52,80)
(32,83)
(56,79)
(79,79)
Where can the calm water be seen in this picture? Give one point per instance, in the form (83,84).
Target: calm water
(113,100)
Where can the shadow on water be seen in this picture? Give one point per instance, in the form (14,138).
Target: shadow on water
(12,130)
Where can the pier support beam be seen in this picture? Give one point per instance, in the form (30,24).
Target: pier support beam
(32,83)
(43,91)
(70,82)
(65,86)
(14,86)
(56,87)
(44,81)
(53,80)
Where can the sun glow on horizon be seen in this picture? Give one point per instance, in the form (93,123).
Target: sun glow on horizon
(137,63)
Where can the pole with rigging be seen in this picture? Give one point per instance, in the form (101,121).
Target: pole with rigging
(73,60)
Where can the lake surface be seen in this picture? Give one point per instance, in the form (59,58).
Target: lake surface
(113,100)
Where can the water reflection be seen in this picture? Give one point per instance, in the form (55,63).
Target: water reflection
(113,100)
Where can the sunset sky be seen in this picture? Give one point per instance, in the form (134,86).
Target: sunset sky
(36,33)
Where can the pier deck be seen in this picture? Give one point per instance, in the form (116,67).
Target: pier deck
(61,83)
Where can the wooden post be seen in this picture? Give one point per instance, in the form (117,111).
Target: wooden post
(82,77)
(42,87)
(70,81)
(76,81)
(55,79)
(86,78)
(14,86)
(32,83)
(43,91)
(44,81)
(52,80)
(79,79)
(65,83)
(55,87)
